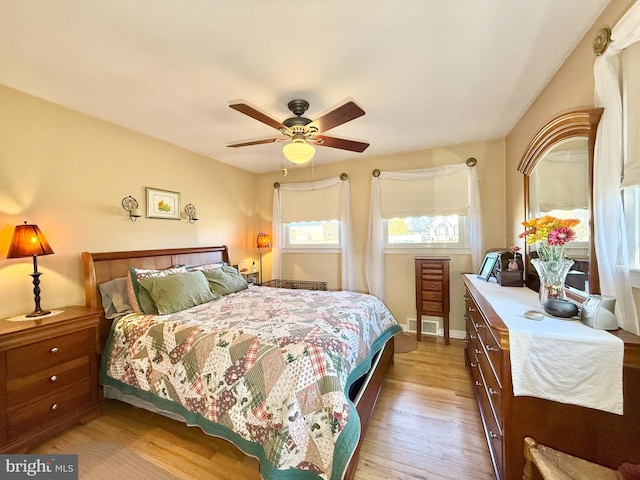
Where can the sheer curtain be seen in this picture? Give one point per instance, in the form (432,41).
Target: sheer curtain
(344,211)
(375,241)
(608,214)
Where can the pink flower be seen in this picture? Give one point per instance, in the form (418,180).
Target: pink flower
(560,236)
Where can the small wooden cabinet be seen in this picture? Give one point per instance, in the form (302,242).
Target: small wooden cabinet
(48,375)
(432,291)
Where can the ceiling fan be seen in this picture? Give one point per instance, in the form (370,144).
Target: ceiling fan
(302,133)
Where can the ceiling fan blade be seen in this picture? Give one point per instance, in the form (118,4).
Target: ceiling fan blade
(342,143)
(339,115)
(257,141)
(253,112)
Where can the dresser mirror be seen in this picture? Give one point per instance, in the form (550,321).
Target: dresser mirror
(558,181)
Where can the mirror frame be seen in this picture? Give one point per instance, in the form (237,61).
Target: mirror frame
(581,122)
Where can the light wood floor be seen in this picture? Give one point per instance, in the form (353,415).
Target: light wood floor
(426,426)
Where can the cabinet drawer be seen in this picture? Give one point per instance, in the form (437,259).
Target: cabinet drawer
(432,296)
(47,382)
(492,430)
(491,384)
(432,307)
(432,269)
(432,285)
(49,410)
(37,356)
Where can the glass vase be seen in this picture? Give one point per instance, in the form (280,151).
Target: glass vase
(552,274)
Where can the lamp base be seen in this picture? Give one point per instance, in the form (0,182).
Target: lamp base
(38,313)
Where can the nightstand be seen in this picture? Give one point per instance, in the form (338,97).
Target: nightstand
(48,375)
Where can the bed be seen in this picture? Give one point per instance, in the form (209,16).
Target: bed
(290,377)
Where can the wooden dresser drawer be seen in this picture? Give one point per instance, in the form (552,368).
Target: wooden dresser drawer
(432,307)
(493,430)
(432,285)
(46,382)
(491,384)
(37,356)
(49,410)
(433,296)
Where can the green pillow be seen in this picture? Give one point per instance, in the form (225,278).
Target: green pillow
(177,292)
(225,280)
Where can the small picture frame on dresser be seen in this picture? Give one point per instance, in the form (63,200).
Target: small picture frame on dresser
(486,270)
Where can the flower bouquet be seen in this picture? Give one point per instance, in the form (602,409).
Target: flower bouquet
(549,235)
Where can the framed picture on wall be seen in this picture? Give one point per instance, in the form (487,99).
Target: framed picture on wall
(488,263)
(163,204)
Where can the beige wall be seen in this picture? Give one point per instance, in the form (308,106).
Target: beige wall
(399,269)
(67,173)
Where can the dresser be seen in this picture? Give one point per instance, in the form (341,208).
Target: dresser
(48,375)
(432,291)
(595,435)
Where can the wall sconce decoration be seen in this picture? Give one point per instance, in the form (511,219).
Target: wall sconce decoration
(29,241)
(130,205)
(191,213)
(263,241)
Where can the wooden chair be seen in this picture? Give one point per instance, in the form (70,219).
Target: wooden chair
(549,464)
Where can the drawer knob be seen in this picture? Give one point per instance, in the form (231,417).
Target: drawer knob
(471,309)
(478,384)
(53,378)
(492,349)
(54,350)
(492,391)
(54,406)
(479,325)
(493,434)
(473,365)
(465,298)
(478,352)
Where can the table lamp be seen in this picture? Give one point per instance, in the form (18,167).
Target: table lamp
(29,241)
(263,241)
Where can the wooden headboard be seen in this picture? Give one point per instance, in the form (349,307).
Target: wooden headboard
(104,266)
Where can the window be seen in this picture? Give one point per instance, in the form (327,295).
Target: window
(631,198)
(425,231)
(582,229)
(315,234)
(631,178)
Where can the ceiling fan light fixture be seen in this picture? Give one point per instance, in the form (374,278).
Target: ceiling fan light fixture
(298,151)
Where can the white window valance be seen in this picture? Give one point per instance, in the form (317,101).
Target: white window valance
(442,192)
(552,187)
(320,203)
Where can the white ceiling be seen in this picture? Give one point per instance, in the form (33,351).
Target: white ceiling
(428,73)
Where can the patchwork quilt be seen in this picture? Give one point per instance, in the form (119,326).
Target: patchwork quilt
(268,369)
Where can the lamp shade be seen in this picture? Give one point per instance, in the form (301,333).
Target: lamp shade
(263,240)
(28,241)
(298,151)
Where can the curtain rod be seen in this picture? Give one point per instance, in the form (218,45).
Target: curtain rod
(469,162)
(343,177)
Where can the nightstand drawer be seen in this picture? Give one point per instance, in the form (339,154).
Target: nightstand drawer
(37,356)
(47,382)
(49,410)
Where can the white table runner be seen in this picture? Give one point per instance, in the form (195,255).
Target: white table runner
(556,359)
